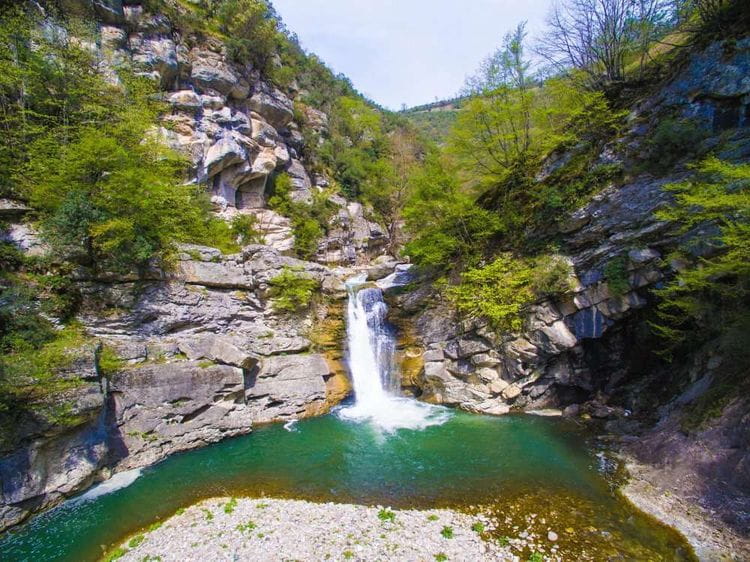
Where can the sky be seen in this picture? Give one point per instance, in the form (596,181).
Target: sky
(407,51)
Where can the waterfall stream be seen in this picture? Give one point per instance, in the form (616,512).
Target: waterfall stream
(371,347)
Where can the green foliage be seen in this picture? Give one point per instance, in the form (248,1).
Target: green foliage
(357,148)
(441,557)
(536,557)
(386,515)
(115,554)
(478,527)
(250,28)
(32,355)
(109,194)
(230,506)
(246,231)
(447,532)
(672,140)
(501,290)
(309,220)
(617,275)
(445,224)
(698,414)
(434,125)
(108,361)
(136,541)
(10,257)
(247,527)
(710,296)
(292,292)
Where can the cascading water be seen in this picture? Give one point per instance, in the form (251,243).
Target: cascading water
(371,363)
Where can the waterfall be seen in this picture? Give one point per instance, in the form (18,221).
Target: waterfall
(371,347)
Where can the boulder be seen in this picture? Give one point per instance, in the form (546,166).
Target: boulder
(185,100)
(164,408)
(210,72)
(223,274)
(155,54)
(272,104)
(224,153)
(221,349)
(288,386)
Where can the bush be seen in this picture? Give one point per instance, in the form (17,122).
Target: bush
(709,299)
(10,257)
(617,275)
(251,31)
(246,231)
(108,361)
(446,225)
(292,292)
(309,221)
(500,291)
(672,140)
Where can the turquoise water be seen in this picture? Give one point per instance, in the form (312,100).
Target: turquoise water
(512,465)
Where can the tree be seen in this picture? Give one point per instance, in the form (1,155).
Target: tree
(710,296)
(446,225)
(389,197)
(494,131)
(252,31)
(597,36)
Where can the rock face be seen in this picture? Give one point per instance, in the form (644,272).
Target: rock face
(579,347)
(204,356)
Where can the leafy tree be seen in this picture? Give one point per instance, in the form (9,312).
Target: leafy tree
(494,132)
(388,198)
(251,30)
(446,226)
(710,295)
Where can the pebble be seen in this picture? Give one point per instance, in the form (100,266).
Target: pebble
(552,536)
(271,530)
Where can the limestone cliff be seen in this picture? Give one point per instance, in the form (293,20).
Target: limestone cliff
(203,354)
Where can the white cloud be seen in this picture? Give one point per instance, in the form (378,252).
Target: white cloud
(407,51)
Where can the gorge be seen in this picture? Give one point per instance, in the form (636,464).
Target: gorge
(239,300)
(381,450)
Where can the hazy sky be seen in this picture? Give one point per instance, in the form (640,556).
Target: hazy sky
(407,51)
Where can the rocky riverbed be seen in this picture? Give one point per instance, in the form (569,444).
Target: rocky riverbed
(270,529)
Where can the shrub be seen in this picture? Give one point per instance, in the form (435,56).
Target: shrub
(10,257)
(502,289)
(671,141)
(709,298)
(247,527)
(251,32)
(447,532)
(230,506)
(617,275)
(245,230)
(108,361)
(292,292)
(386,515)
(309,221)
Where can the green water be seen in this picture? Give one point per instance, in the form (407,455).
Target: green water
(512,466)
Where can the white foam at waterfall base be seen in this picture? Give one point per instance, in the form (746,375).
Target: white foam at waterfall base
(117,482)
(370,357)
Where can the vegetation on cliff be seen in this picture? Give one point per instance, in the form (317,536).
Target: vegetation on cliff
(525,151)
